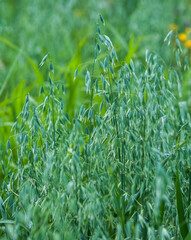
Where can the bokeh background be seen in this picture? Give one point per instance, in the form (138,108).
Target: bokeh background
(66,30)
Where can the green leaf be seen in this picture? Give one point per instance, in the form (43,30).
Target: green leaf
(162,208)
(180,208)
(10,73)
(4,221)
(188,237)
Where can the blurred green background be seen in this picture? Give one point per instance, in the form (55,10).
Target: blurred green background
(65,30)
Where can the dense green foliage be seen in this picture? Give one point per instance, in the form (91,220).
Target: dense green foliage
(108,173)
(108,158)
(65,30)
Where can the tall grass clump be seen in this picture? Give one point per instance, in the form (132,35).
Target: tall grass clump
(119,169)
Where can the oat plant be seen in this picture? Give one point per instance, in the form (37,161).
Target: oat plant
(120,169)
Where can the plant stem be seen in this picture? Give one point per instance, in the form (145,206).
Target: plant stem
(53,122)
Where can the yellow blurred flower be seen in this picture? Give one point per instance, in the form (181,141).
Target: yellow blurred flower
(188,43)
(182,37)
(188,30)
(173,27)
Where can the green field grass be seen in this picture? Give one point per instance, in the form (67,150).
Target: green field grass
(95,123)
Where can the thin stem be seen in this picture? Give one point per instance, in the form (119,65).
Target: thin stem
(92,84)
(115,115)
(53,122)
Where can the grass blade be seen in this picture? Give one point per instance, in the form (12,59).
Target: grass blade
(188,237)
(9,75)
(180,209)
